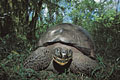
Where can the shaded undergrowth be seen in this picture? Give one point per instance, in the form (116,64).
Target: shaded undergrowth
(13,55)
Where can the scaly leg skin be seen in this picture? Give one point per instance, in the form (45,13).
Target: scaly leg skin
(39,59)
(82,64)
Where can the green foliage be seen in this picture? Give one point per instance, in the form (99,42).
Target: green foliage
(104,25)
(23,21)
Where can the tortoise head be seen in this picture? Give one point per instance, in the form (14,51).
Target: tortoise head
(62,55)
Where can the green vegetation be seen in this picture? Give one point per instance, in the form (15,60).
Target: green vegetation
(23,21)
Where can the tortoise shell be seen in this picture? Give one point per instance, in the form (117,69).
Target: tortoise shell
(61,47)
(69,34)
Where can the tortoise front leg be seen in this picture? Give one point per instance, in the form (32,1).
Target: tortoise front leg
(82,63)
(39,59)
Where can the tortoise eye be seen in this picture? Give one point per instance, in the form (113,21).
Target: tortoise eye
(58,52)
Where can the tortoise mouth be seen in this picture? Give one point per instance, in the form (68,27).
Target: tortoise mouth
(61,61)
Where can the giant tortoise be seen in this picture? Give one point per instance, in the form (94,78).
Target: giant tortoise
(64,47)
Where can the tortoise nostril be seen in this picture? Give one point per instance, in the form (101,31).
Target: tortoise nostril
(64,53)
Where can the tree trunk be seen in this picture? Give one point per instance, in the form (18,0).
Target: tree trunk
(32,25)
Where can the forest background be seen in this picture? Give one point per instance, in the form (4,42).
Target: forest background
(23,21)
